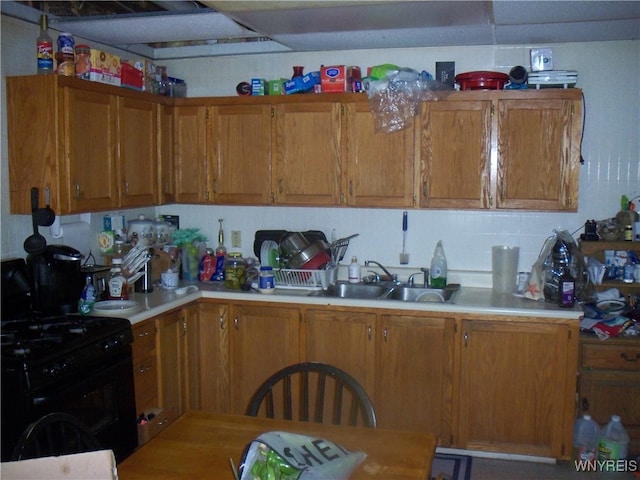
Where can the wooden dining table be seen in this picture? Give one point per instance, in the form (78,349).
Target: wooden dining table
(199,444)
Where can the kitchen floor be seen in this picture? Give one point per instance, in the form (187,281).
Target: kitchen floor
(492,469)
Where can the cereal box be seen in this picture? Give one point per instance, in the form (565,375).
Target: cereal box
(105,68)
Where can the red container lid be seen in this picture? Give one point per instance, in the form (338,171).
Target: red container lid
(482,80)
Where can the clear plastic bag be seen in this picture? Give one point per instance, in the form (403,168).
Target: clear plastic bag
(395,98)
(290,456)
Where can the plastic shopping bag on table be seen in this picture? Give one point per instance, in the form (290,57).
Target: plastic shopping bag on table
(289,456)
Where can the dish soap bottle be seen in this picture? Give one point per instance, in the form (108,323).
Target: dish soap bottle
(354,271)
(438,267)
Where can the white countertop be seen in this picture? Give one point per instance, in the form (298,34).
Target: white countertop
(469,301)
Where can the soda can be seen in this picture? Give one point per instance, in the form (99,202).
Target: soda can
(66,47)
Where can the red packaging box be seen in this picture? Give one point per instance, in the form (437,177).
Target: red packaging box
(340,78)
(131,76)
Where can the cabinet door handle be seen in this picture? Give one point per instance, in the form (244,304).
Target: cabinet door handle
(221,321)
(466,339)
(630,359)
(235,322)
(369,330)
(144,369)
(77,190)
(144,334)
(384,333)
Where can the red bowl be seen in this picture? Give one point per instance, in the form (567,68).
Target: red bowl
(317,262)
(482,80)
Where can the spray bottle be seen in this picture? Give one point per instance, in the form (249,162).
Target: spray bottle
(221,254)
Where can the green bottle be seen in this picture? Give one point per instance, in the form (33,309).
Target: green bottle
(438,267)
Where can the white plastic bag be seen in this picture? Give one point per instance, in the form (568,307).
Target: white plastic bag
(290,456)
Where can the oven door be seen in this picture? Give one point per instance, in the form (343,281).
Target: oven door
(103,399)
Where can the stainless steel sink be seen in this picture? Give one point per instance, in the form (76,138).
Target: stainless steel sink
(404,293)
(407,293)
(355,290)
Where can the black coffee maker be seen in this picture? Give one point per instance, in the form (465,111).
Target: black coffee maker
(57,281)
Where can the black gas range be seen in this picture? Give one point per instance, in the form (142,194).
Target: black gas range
(77,364)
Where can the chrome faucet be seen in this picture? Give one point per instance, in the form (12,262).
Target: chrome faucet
(423,271)
(391,276)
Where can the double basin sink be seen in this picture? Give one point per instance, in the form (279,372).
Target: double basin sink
(382,291)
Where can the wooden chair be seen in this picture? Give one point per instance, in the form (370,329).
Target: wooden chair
(55,434)
(314,389)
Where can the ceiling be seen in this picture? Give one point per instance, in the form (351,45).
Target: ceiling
(183,29)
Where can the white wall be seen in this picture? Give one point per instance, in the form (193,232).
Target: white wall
(608,75)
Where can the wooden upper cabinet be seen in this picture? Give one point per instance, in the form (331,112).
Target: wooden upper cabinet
(166,174)
(456,154)
(501,150)
(62,136)
(538,153)
(138,160)
(241,154)
(380,166)
(190,154)
(307,157)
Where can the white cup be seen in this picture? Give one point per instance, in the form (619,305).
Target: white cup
(169,280)
(504,262)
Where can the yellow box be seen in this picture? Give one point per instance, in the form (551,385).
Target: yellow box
(105,68)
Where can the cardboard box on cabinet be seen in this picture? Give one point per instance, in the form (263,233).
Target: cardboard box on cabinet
(100,465)
(105,68)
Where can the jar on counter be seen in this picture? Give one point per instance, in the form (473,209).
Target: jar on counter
(83,61)
(117,281)
(234,271)
(266,280)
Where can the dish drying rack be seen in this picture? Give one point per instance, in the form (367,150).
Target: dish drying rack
(306,279)
(315,279)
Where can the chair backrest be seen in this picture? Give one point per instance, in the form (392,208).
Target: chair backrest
(56,433)
(316,391)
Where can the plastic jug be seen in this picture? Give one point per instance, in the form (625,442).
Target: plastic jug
(613,442)
(585,439)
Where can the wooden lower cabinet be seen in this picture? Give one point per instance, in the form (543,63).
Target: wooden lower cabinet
(145,371)
(517,386)
(414,373)
(498,384)
(262,340)
(343,338)
(610,383)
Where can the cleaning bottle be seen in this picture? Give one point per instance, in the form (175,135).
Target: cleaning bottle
(354,271)
(438,267)
(221,254)
(585,439)
(613,442)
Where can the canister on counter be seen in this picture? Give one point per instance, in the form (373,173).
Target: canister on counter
(234,271)
(266,280)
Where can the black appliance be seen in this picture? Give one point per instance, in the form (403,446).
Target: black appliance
(81,365)
(57,279)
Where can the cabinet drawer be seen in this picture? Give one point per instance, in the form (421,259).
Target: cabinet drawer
(611,357)
(144,340)
(162,419)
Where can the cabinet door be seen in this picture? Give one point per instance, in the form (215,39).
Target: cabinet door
(456,154)
(414,365)
(263,340)
(517,387)
(172,361)
(190,154)
(307,154)
(138,167)
(208,345)
(166,174)
(345,339)
(90,143)
(241,154)
(145,372)
(538,154)
(379,165)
